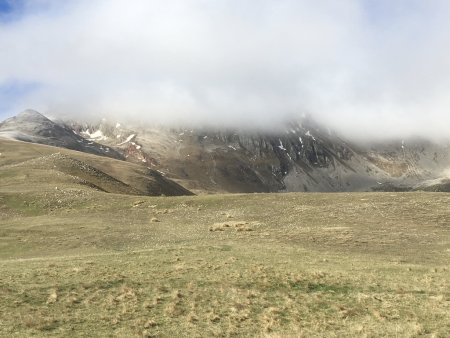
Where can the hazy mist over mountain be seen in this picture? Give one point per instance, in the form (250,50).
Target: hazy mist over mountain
(364,68)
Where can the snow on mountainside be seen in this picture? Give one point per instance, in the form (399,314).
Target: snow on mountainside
(31,126)
(303,157)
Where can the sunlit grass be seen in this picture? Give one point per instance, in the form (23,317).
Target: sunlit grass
(285,265)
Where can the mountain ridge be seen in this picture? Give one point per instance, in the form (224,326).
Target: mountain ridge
(32,126)
(302,157)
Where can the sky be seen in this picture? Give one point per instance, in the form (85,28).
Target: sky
(366,68)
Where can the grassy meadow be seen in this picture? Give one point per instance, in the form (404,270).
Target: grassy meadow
(76,261)
(81,263)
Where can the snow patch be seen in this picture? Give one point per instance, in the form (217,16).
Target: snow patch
(117,125)
(137,146)
(129,138)
(232,147)
(308,133)
(96,135)
(281,145)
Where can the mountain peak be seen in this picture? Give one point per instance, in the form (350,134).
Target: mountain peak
(32,126)
(31,115)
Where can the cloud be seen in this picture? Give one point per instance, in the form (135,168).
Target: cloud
(363,67)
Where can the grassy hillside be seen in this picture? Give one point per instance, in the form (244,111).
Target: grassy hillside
(80,262)
(29,167)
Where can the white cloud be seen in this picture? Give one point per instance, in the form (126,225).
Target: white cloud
(362,66)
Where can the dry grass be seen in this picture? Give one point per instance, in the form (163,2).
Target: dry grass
(76,262)
(136,294)
(237,225)
(329,265)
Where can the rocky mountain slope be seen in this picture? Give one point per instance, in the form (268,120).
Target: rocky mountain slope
(31,126)
(302,157)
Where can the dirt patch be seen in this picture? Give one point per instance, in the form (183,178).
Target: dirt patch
(236,225)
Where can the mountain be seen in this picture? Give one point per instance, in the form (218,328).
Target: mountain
(31,126)
(25,166)
(301,157)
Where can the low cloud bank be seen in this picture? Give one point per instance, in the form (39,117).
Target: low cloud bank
(365,68)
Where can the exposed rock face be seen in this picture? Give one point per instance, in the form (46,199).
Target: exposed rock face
(31,126)
(302,157)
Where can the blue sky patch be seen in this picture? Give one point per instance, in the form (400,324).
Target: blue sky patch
(10,10)
(12,92)
(6,6)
